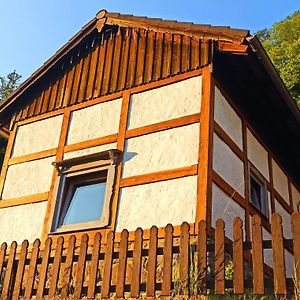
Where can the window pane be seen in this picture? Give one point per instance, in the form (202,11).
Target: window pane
(86,204)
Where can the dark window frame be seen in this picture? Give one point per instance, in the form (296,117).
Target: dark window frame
(261,182)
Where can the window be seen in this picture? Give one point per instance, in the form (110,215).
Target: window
(258,192)
(84,192)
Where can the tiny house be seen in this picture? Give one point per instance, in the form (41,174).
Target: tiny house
(137,122)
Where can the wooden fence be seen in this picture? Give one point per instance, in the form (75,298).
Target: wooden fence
(152,266)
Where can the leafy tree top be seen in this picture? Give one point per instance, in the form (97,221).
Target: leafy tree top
(282,43)
(8,84)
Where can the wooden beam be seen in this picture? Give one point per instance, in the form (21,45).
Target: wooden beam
(4,133)
(24,200)
(120,146)
(203,208)
(182,121)
(159,176)
(32,156)
(232,47)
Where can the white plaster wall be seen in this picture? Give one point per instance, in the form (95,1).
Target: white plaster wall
(286,219)
(227,118)
(168,149)
(160,203)
(257,155)
(280,181)
(223,207)
(228,165)
(28,178)
(164,103)
(94,121)
(296,197)
(37,136)
(268,253)
(289,264)
(91,150)
(22,222)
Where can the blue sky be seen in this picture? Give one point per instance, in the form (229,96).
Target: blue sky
(33,30)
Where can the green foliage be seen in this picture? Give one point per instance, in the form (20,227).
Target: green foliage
(282,43)
(8,84)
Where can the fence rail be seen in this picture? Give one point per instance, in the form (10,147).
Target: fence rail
(191,264)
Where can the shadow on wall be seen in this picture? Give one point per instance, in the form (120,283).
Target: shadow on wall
(129,155)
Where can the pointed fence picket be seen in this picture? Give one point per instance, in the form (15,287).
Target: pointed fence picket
(189,264)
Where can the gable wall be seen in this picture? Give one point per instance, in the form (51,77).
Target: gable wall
(162,138)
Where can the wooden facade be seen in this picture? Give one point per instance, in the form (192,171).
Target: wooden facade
(185,106)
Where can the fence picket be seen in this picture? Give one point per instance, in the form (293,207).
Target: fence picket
(184,258)
(238,256)
(167,266)
(81,266)
(257,257)
(108,265)
(122,264)
(152,261)
(2,257)
(278,255)
(32,269)
(20,270)
(44,268)
(56,267)
(94,266)
(296,236)
(220,257)
(202,257)
(136,269)
(9,271)
(67,270)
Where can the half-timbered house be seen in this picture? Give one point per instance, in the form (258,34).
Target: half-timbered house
(137,122)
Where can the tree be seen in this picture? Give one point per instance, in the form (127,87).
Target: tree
(282,43)
(7,86)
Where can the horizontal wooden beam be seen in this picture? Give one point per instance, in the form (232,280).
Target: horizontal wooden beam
(159,176)
(32,156)
(4,133)
(91,143)
(182,121)
(24,200)
(232,47)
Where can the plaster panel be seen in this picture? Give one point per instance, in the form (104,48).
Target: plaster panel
(227,118)
(28,178)
(164,103)
(168,149)
(160,203)
(91,150)
(280,181)
(224,207)
(22,222)
(296,198)
(37,136)
(94,121)
(228,165)
(286,219)
(257,155)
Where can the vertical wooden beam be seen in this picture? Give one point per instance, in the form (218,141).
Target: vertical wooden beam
(7,156)
(120,146)
(203,209)
(59,157)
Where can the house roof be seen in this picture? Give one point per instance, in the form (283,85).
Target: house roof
(203,31)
